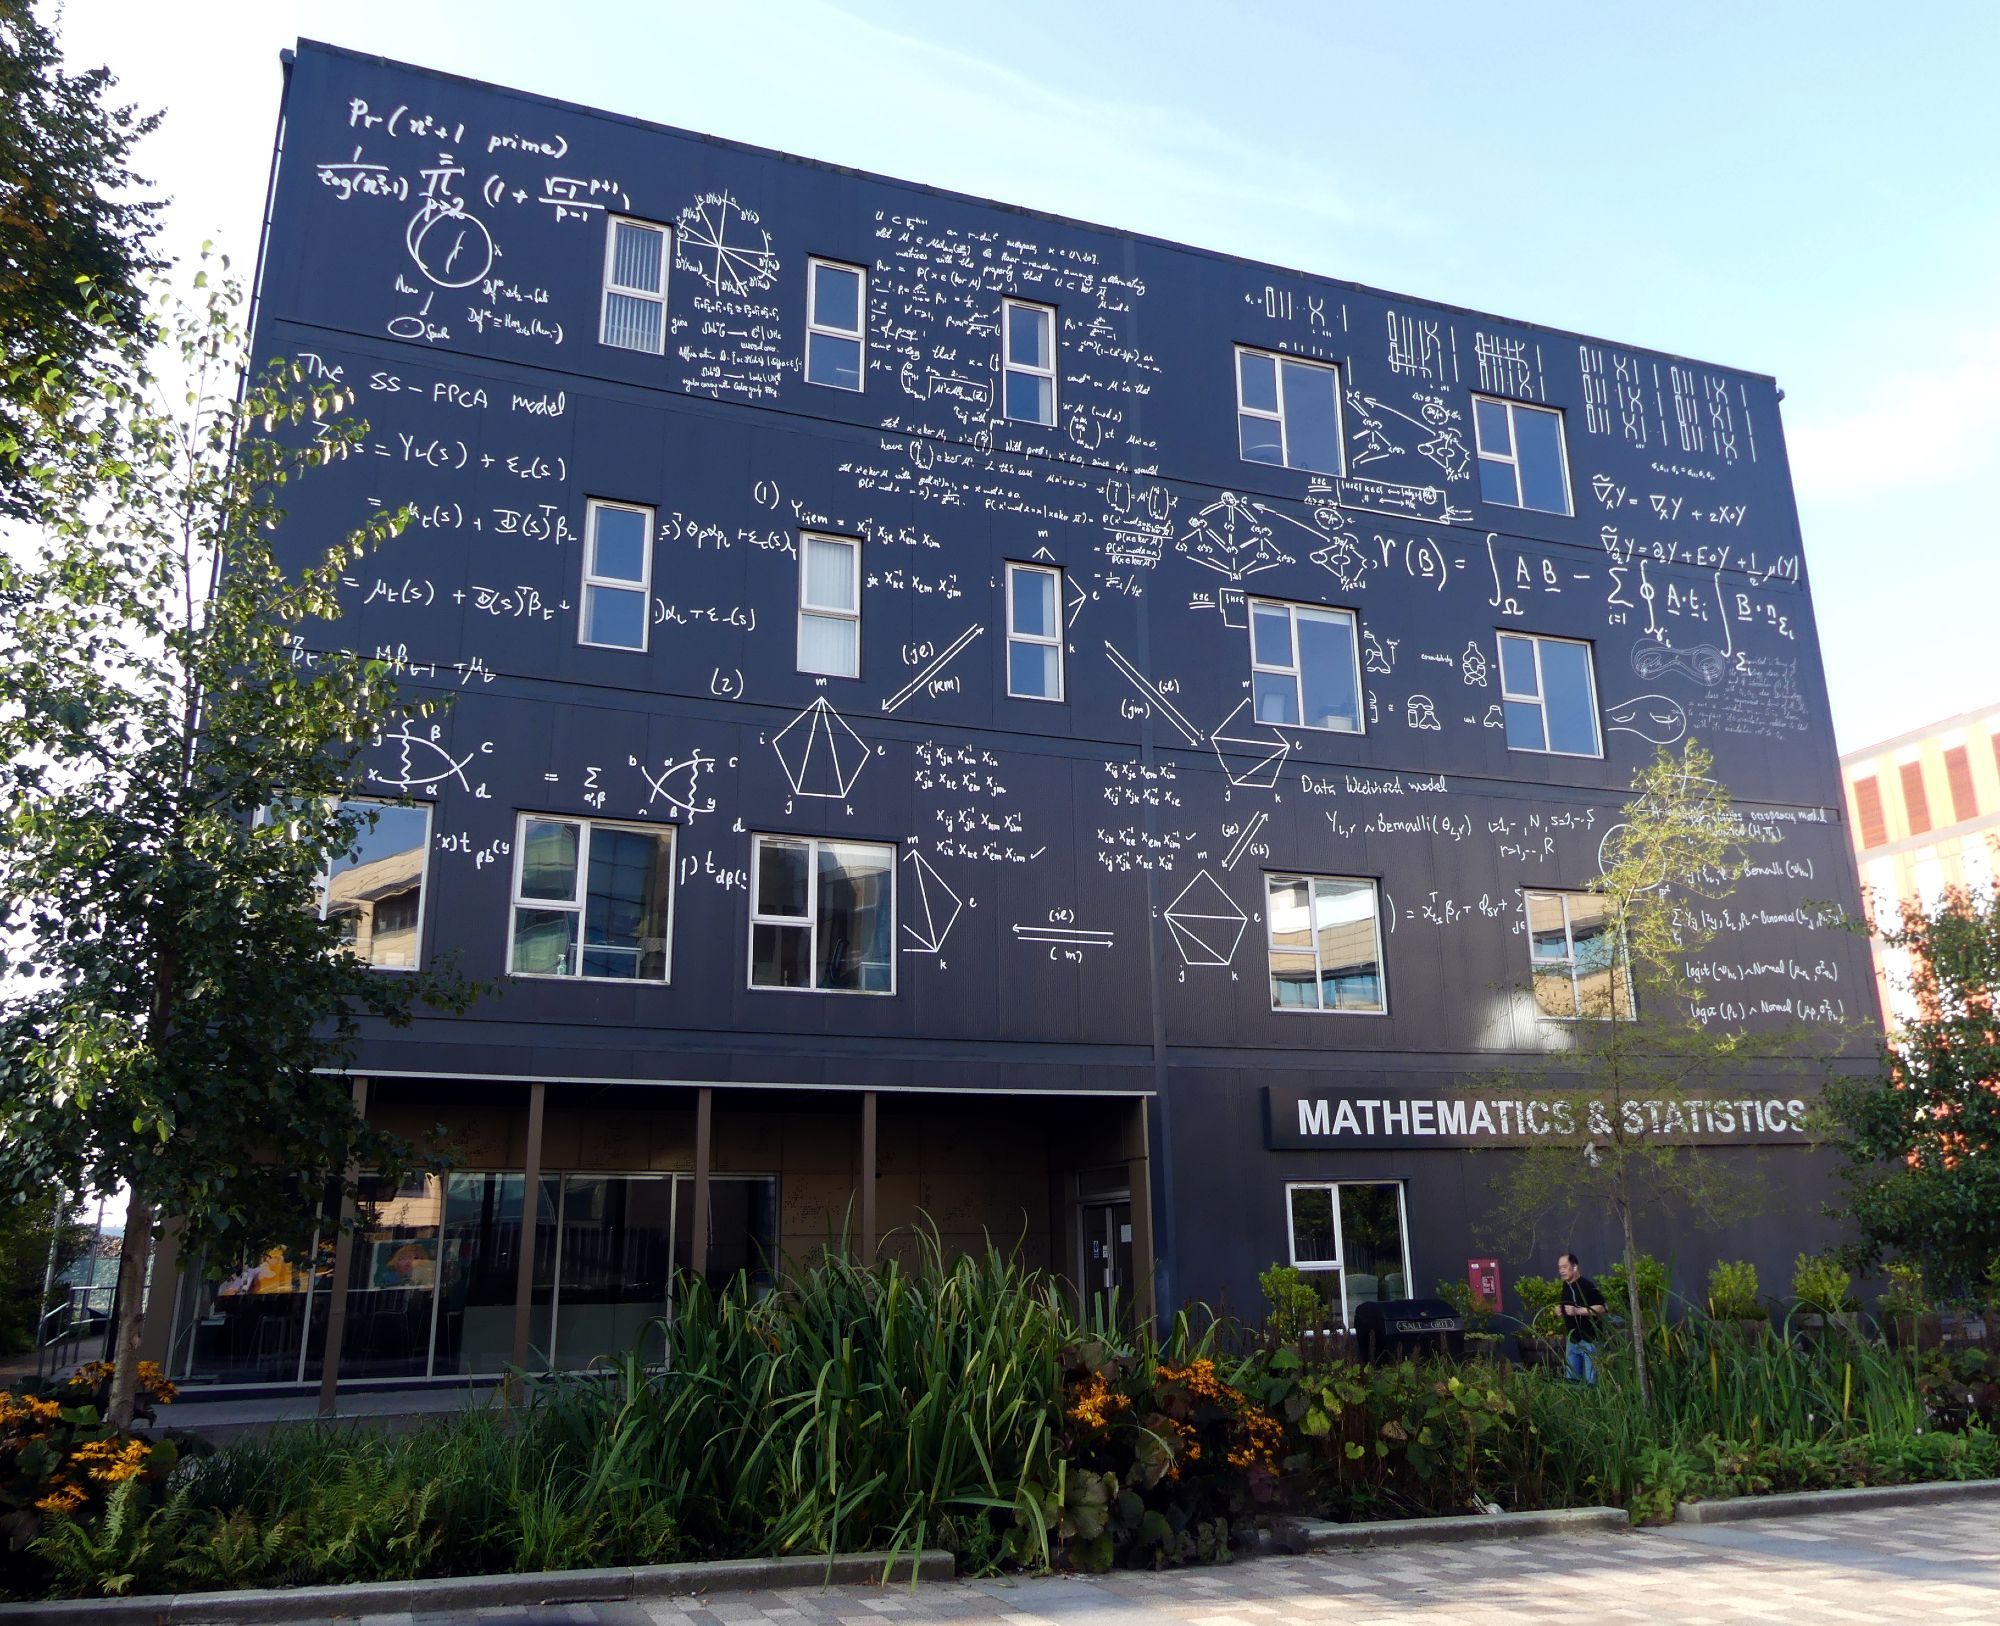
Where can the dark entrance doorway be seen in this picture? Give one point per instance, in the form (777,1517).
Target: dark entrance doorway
(1107,1253)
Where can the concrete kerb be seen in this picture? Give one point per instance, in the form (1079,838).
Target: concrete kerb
(455,1593)
(1791,1504)
(1322,1536)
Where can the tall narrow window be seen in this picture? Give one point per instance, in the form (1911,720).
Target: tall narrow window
(1325,943)
(830,605)
(1577,967)
(1916,804)
(1868,808)
(1028,353)
(1287,411)
(823,915)
(1522,462)
(592,900)
(635,286)
(1305,666)
(1958,776)
(617,575)
(1034,632)
(375,891)
(1550,695)
(836,306)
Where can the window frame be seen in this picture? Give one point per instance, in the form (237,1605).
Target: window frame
(1338,1264)
(1278,359)
(1008,306)
(1374,885)
(592,507)
(806,607)
(1512,456)
(423,878)
(581,896)
(1296,671)
(657,295)
(1540,698)
(810,920)
(1537,968)
(859,333)
(1015,569)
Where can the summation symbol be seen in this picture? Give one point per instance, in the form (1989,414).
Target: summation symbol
(1265,747)
(820,753)
(1206,923)
(422,762)
(929,918)
(726,245)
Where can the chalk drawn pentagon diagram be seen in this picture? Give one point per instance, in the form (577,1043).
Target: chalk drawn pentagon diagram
(1656,718)
(1206,923)
(929,907)
(422,761)
(451,247)
(1229,536)
(820,752)
(1258,748)
(725,245)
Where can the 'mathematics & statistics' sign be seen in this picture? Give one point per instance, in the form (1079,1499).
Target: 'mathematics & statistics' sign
(1380,1118)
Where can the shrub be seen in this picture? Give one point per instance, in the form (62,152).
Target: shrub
(1905,1294)
(1539,1296)
(1820,1282)
(1732,1291)
(1652,1288)
(1294,1301)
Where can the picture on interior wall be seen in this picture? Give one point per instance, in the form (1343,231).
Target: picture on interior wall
(403,1262)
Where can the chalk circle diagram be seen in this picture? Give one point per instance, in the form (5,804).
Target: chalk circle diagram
(1265,748)
(451,247)
(820,752)
(422,762)
(725,245)
(1656,718)
(1229,537)
(1206,923)
(929,909)
(1343,559)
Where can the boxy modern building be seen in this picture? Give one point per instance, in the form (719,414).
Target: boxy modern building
(962,713)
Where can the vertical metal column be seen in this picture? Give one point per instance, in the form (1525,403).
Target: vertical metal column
(704,1146)
(343,1267)
(524,1262)
(869,1234)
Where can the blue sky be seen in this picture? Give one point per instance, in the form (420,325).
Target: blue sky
(1803,189)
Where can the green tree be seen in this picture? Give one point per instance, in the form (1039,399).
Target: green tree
(75,250)
(1921,1137)
(176,998)
(1627,1094)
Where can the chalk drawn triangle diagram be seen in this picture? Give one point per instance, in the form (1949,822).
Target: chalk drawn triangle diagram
(820,753)
(1228,537)
(1258,749)
(929,907)
(1206,923)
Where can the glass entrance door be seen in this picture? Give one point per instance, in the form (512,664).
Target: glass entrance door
(1107,1252)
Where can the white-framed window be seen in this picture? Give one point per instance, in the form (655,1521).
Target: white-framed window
(1578,969)
(634,315)
(836,324)
(617,575)
(1356,1233)
(592,899)
(374,892)
(1523,462)
(1287,411)
(1325,944)
(1305,666)
(829,604)
(1034,632)
(1549,695)
(1028,356)
(822,915)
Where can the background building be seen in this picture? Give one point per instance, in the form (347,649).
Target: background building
(967,714)
(1925,811)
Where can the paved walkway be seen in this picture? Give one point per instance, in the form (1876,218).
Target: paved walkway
(1903,1565)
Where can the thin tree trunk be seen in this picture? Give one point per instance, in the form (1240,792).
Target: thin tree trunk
(132,1258)
(1638,1323)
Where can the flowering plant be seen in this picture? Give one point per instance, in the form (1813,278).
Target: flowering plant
(58,1459)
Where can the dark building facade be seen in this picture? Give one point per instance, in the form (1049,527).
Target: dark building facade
(967,714)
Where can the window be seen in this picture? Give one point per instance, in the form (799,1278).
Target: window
(1868,805)
(823,915)
(1521,459)
(635,286)
(1916,805)
(1550,695)
(1287,411)
(617,575)
(830,605)
(1028,348)
(1578,969)
(1305,666)
(591,900)
(836,300)
(1326,944)
(375,891)
(1958,777)
(1034,632)
(1356,1234)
